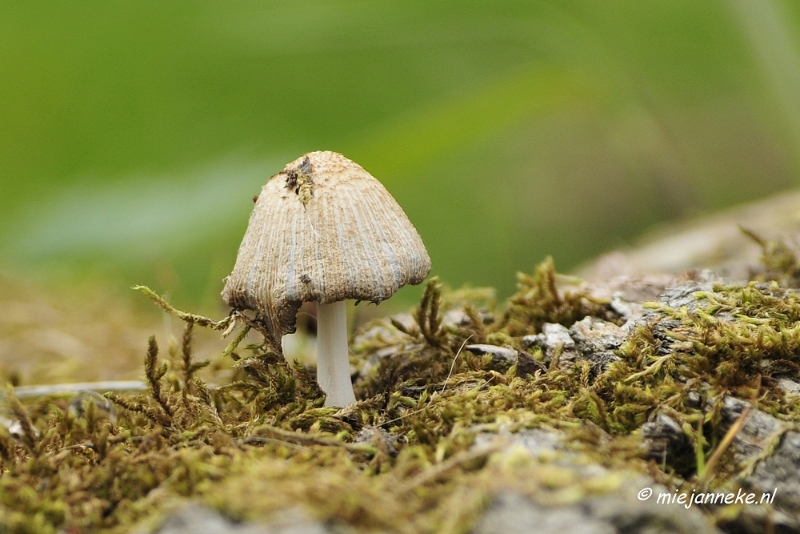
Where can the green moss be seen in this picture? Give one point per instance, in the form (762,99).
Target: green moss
(262,441)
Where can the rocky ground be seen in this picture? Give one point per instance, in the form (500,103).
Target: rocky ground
(638,403)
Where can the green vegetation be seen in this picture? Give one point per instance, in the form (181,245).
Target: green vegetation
(134,136)
(403,458)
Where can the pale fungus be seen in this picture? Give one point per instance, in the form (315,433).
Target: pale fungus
(324,230)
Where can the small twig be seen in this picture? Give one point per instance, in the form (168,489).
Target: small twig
(453,365)
(735,428)
(27,392)
(407,414)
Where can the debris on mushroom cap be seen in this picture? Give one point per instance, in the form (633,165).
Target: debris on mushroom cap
(323,229)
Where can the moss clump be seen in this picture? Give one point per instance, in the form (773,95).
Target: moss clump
(779,259)
(538,301)
(403,459)
(735,340)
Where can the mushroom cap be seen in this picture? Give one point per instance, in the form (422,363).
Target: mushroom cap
(323,229)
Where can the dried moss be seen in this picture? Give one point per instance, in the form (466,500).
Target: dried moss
(402,459)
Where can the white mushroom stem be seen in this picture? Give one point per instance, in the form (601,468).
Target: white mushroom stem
(333,362)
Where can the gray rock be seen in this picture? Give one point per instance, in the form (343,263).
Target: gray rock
(590,339)
(295,521)
(553,337)
(541,444)
(596,341)
(778,443)
(756,435)
(666,442)
(677,297)
(196,518)
(625,511)
(779,473)
(694,399)
(789,386)
(620,512)
(511,513)
(626,294)
(458,317)
(528,365)
(380,438)
(535,441)
(683,295)
(505,357)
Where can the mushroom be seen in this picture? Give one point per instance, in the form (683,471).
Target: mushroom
(323,229)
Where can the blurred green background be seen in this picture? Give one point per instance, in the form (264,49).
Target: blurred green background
(133,135)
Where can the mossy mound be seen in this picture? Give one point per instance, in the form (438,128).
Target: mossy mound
(413,455)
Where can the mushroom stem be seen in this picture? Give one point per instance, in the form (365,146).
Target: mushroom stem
(333,362)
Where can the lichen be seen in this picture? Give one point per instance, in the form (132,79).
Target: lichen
(261,441)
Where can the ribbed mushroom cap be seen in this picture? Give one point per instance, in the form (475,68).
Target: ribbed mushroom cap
(323,229)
